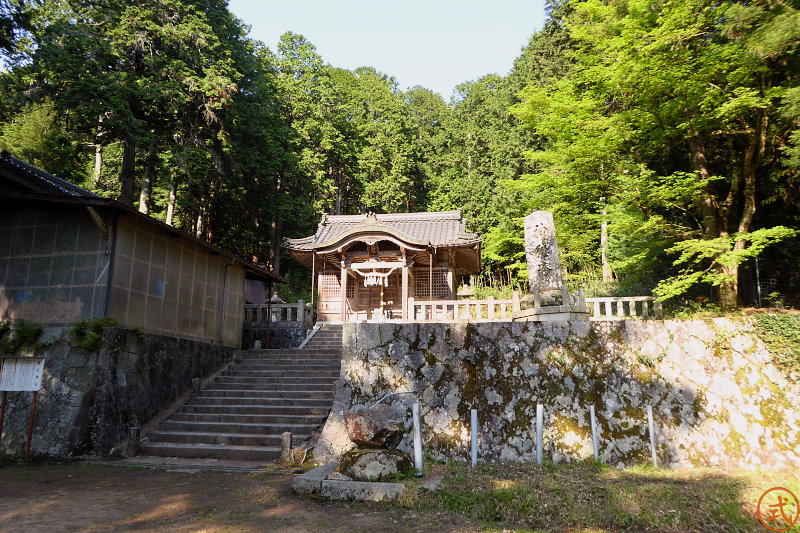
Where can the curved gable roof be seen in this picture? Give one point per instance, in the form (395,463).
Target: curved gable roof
(437,229)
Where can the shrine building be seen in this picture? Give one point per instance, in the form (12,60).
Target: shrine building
(369,267)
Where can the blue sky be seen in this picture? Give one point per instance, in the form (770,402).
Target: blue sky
(434,43)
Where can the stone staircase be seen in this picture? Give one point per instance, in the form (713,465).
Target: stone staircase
(264,393)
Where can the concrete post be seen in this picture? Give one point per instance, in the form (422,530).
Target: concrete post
(286,447)
(652,434)
(133,442)
(417,437)
(593,421)
(539,422)
(474,426)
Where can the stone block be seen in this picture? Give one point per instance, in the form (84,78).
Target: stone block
(361,490)
(369,427)
(311,482)
(374,465)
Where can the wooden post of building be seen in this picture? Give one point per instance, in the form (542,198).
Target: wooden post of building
(343,293)
(404,296)
(269,315)
(313,279)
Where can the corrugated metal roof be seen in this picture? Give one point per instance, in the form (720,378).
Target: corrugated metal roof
(21,181)
(38,180)
(442,228)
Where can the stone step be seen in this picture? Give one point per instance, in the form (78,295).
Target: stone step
(285,373)
(304,351)
(313,416)
(210,426)
(230,439)
(290,364)
(238,409)
(265,377)
(277,382)
(255,384)
(294,358)
(301,403)
(261,397)
(211,451)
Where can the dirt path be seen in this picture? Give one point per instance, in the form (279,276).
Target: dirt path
(85,497)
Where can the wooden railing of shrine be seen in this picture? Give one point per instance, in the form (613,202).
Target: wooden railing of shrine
(283,314)
(489,310)
(622,307)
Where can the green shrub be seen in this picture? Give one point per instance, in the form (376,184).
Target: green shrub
(89,333)
(21,333)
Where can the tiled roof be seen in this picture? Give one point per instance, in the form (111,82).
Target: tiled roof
(36,180)
(444,228)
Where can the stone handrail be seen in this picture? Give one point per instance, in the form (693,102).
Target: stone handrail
(622,307)
(282,314)
(489,310)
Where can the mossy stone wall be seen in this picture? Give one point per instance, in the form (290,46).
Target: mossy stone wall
(716,396)
(90,398)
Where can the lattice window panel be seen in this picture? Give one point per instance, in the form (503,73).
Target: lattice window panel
(441,290)
(329,288)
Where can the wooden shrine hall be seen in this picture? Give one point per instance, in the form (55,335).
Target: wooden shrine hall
(368,267)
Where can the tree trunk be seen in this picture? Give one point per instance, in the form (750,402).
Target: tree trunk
(147,180)
(173,193)
(608,276)
(98,153)
(199,223)
(753,159)
(338,192)
(275,251)
(709,207)
(127,175)
(98,165)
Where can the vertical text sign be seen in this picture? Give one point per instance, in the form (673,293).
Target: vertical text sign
(22,374)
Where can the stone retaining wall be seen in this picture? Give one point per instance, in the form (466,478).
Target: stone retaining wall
(716,396)
(281,336)
(90,399)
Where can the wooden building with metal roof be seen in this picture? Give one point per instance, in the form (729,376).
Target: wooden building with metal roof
(68,255)
(367,267)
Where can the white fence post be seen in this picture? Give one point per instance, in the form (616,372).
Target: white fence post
(539,421)
(474,424)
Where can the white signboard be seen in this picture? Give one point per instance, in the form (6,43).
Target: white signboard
(22,374)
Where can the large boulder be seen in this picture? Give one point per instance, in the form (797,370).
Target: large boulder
(365,464)
(372,428)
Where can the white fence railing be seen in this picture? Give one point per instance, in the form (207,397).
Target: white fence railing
(489,310)
(622,307)
(283,314)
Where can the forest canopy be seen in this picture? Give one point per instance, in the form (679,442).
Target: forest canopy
(664,136)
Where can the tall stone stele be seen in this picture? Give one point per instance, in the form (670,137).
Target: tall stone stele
(549,297)
(541,252)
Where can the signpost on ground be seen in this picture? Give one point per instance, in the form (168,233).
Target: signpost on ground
(21,374)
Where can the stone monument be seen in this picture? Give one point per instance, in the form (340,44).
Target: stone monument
(549,297)
(541,252)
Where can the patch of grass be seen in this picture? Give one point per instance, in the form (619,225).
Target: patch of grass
(89,333)
(781,334)
(597,497)
(14,336)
